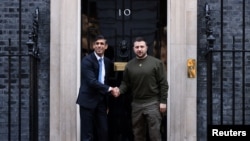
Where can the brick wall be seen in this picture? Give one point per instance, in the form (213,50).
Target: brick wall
(229,36)
(15,27)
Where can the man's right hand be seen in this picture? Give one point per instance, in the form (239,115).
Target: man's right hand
(115,91)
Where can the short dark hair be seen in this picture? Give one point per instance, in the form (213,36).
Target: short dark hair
(98,37)
(139,39)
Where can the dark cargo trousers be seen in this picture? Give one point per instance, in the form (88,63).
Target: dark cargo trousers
(146,118)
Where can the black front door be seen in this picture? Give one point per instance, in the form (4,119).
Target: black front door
(120,21)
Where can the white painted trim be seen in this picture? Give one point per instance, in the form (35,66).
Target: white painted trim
(182,45)
(78,68)
(64,69)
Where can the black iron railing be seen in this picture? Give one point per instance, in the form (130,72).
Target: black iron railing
(19,72)
(226,75)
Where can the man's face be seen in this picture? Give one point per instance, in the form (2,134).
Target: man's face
(100,46)
(140,49)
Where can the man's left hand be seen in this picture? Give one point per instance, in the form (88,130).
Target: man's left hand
(163,107)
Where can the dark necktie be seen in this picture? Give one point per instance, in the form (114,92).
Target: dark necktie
(100,78)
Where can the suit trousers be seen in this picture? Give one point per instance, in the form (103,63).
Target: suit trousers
(94,124)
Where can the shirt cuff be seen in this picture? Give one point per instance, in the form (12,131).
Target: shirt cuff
(109,90)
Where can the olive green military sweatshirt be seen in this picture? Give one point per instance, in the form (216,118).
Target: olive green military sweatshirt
(145,79)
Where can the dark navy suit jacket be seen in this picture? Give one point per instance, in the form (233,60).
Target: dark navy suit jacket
(91,91)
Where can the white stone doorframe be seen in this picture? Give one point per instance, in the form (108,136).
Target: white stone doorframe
(182,45)
(65,70)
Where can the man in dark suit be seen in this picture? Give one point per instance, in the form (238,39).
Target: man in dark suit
(93,93)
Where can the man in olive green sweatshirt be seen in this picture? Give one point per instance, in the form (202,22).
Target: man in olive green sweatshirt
(145,79)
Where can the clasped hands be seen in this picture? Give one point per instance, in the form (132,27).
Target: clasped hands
(115,91)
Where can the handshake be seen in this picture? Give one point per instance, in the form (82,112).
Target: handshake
(115,91)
